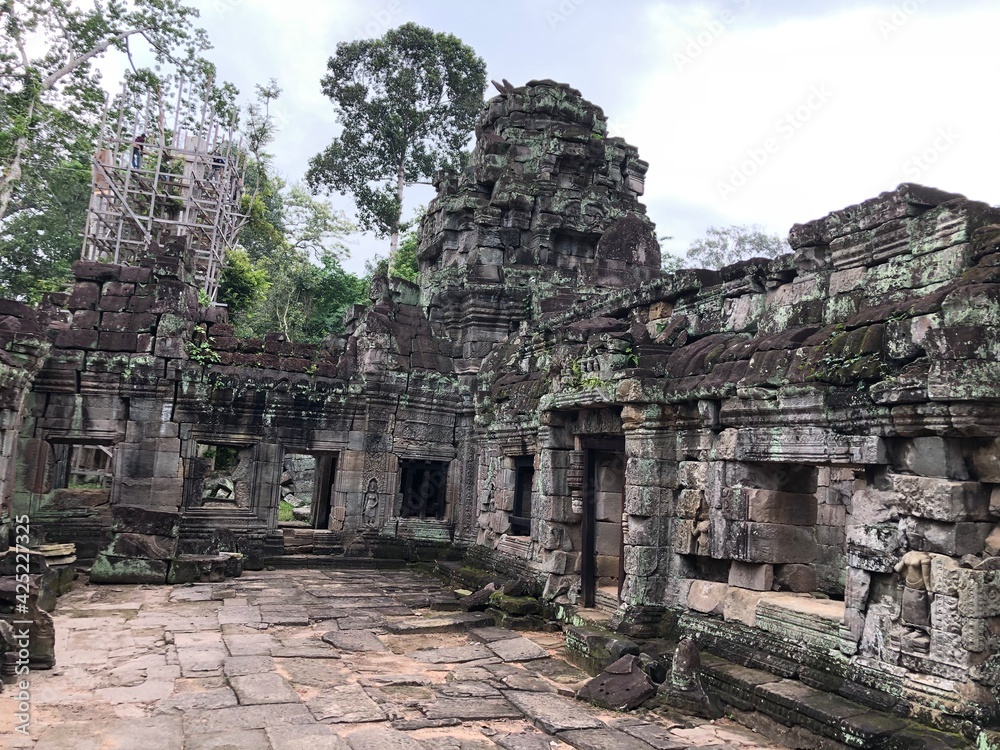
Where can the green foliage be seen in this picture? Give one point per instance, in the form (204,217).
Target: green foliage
(722,246)
(243,284)
(407,102)
(40,240)
(48,51)
(286,511)
(402,265)
(287,276)
(670,263)
(199,349)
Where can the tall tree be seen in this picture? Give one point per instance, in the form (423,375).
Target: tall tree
(407,103)
(722,246)
(47,51)
(287,275)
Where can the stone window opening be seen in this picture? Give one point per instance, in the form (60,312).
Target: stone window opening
(520,516)
(220,475)
(422,487)
(81,466)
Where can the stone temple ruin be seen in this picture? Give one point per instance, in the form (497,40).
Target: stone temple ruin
(795,462)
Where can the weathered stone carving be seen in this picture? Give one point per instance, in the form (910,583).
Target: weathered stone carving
(370,509)
(915,569)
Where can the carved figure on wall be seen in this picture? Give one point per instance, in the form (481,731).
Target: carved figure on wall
(915,569)
(701,533)
(369,512)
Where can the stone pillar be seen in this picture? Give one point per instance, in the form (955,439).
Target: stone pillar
(650,501)
(146,497)
(557,526)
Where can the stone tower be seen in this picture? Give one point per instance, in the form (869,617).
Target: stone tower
(546,213)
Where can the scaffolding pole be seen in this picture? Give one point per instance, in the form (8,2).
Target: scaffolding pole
(187,185)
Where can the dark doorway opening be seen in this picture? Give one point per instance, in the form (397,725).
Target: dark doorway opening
(524,475)
(423,486)
(306,485)
(603,564)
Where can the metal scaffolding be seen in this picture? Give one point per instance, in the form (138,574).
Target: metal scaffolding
(150,181)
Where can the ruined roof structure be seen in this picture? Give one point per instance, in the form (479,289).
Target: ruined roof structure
(793,461)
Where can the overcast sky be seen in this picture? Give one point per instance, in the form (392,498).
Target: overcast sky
(748,111)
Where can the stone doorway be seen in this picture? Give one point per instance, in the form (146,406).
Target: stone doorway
(603,560)
(305,490)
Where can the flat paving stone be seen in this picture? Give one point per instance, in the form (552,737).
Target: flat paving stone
(454,655)
(305,737)
(160,732)
(517,649)
(238,615)
(527,682)
(245,717)
(470,709)
(491,634)
(317,651)
(199,700)
(262,689)
(468,690)
(552,713)
(360,641)
(395,680)
(439,623)
(653,735)
(522,741)
(237,666)
(248,739)
(382,738)
(601,739)
(249,644)
(349,704)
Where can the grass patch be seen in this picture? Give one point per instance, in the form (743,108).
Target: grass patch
(285,509)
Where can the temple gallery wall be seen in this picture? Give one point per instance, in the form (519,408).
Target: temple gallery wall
(796,461)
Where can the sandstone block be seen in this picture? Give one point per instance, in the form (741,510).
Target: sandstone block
(756,577)
(941,499)
(741,605)
(770,506)
(956,539)
(986,462)
(800,579)
(779,543)
(707,597)
(931,457)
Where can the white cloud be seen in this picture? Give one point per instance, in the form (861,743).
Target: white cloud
(904,101)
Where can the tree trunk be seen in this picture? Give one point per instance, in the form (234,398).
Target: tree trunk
(13,171)
(394,238)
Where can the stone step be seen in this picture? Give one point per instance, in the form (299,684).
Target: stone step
(791,702)
(339,562)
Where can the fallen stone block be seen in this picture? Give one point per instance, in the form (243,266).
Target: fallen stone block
(623,686)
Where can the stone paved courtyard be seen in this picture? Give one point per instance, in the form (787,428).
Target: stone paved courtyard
(317,660)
